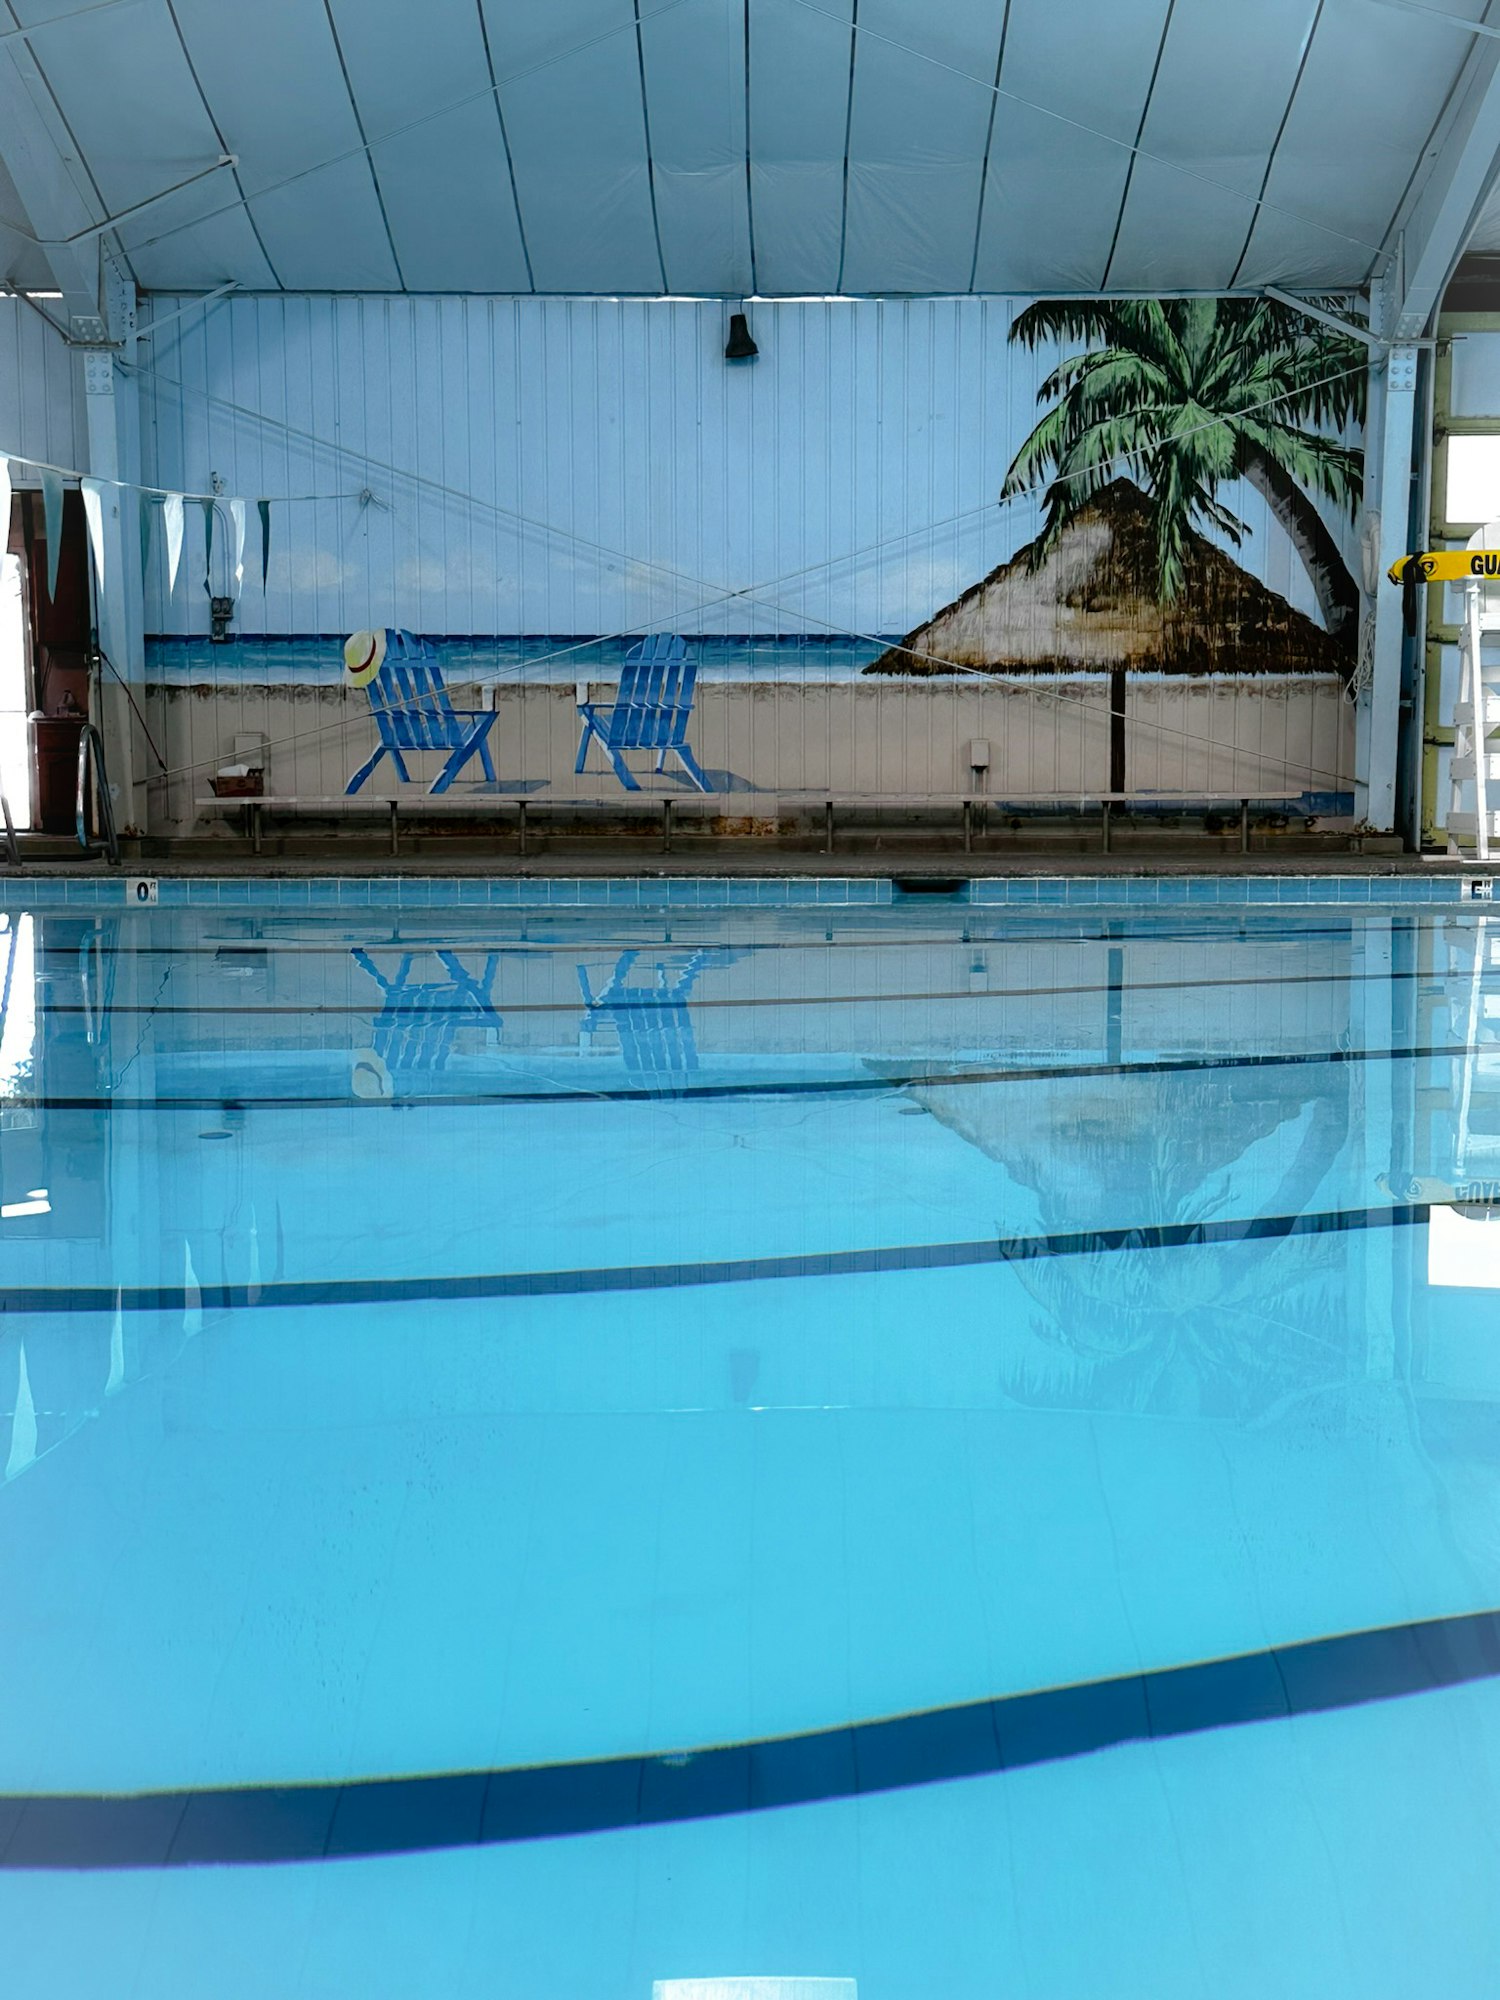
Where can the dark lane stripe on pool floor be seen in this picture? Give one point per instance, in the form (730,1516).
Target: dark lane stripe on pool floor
(257,1823)
(872,1084)
(466,1013)
(882,1260)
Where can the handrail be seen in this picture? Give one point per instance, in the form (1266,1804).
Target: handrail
(91,746)
(12,846)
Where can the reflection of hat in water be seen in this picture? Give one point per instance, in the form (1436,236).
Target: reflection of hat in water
(364,656)
(369,1076)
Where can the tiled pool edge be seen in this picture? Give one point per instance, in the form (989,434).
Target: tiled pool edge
(22,892)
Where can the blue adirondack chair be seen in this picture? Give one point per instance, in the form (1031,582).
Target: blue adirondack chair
(418,1018)
(650,711)
(651,1021)
(412,712)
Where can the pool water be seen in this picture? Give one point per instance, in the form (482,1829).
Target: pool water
(948,1445)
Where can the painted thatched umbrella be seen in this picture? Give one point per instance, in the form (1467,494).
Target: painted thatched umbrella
(1089,602)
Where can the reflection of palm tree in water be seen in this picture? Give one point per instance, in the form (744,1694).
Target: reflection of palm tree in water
(1190,1329)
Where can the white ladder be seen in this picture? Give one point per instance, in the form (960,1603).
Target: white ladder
(1474,832)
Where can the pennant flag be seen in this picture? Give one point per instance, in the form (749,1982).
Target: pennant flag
(263,508)
(208,544)
(147,502)
(5,503)
(93,513)
(171,518)
(52,510)
(237,523)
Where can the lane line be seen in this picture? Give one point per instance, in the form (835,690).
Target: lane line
(872,1084)
(884,1259)
(214,1827)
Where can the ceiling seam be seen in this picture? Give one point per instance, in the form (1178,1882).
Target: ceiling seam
(359,126)
(989,140)
(72,135)
(1140,135)
(640,63)
(510,161)
(224,147)
(838,283)
(1265,179)
(749,177)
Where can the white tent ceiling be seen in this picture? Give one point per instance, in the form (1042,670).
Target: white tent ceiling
(735,146)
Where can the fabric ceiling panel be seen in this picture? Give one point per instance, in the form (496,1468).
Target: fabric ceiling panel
(444,174)
(576,121)
(1050,200)
(325,232)
(125,83)
(450,206)
(167,249)
(405,63)
(1221,135)
(1355,134)
(1054,188)
(279,96)
(694,61)
(799,107)
(917,145)
(124,86)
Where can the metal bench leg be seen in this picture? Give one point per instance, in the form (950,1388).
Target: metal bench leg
(666,826)
(255,829)
(1106,827)
(828,826)
(1244,826)
(521,824)
(395,835)
(968,826)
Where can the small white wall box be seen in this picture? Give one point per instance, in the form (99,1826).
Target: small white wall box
(754,1987)
(979,755)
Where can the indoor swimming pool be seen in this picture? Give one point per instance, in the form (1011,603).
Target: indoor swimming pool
(560,1436)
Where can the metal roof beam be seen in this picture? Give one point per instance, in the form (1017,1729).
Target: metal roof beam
(1440,215)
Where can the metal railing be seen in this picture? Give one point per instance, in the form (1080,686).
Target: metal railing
(12,845)
(91,756)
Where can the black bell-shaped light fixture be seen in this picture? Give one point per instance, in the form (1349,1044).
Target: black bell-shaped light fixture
(739,346)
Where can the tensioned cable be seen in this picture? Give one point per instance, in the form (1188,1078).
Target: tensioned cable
(755,594)
(30,28)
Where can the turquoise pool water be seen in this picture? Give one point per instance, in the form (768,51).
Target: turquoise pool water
(663,1431)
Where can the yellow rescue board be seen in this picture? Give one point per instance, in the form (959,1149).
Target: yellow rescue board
(1448,566)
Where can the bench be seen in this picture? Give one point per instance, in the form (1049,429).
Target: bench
(767,805)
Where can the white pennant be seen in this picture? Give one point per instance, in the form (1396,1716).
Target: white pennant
(93,508)
(237,522)
(23,1425)
(171,514)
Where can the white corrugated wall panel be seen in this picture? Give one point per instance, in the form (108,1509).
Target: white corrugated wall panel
(41,393)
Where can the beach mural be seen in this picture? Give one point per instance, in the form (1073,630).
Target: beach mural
(1161,407)
(1087,535)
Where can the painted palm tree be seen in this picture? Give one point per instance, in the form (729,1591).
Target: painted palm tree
(1186,395)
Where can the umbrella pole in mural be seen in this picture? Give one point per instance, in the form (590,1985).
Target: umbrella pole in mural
(1174,402)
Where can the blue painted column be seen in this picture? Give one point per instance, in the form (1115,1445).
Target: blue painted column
(1388,483)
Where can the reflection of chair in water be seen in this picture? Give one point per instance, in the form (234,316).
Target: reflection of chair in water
(651,1019)
(418,1019)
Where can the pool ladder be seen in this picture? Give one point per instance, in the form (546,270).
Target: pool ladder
(91,763)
